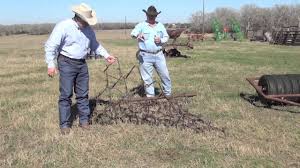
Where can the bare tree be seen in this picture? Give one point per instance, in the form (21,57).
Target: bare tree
(196,22)
(281,16)
(225,15)
(252,17)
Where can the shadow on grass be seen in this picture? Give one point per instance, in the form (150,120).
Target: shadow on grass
(92,104)
(256,101)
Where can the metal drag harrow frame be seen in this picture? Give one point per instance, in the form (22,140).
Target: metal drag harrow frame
(169,111)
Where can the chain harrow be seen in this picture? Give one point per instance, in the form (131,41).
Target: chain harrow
(169,111)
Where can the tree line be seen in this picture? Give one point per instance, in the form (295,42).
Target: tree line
(40,29)
(250,17)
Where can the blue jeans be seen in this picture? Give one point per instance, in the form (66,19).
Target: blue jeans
(147,63)
(73,75)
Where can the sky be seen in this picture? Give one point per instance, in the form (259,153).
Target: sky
(52,11)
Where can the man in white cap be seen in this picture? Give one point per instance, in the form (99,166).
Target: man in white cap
(69,43)
(151,36)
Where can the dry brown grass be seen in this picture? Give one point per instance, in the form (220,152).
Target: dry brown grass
(257,137)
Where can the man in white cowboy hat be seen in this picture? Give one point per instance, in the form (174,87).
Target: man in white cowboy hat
(151,36)
(69,43)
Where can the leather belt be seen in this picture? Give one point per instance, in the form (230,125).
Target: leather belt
(72,59)
(152,52)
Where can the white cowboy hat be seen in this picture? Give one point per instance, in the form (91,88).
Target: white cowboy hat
(86,13)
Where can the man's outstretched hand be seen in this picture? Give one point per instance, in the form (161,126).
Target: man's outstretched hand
(141,37)
(111,59)
(52,72)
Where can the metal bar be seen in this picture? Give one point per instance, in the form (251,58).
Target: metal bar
(116,82)
(130,72)
(109,89)
(284,101)
(100,93)
(156,98)
(107,66)
(121,75)
(257,88)
(112,76)
(285,95)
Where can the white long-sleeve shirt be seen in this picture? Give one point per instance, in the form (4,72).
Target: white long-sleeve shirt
(71,41)
(149,33)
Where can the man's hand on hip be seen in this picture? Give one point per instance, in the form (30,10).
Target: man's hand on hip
(111,59)
(52,72)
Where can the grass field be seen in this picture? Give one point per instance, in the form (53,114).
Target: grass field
(216,72)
